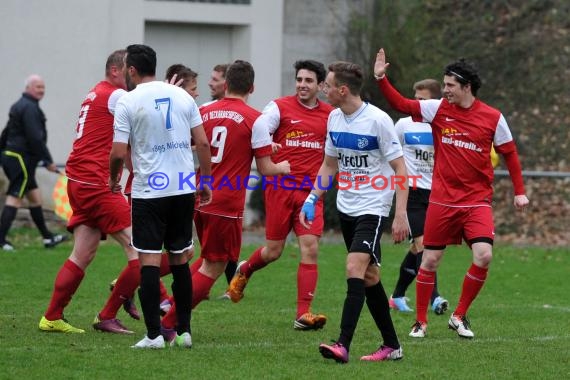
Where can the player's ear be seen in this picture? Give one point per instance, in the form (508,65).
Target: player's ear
(252,89)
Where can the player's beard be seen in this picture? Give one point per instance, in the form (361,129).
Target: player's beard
(130,85)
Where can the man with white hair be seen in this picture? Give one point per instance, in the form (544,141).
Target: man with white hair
(23,145)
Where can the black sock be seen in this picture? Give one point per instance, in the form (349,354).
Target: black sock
(8,216)
(149,295)
(408,272)
(182,291)
(377,303)
(353,304)
(38,218)
(230,270)
(435,292)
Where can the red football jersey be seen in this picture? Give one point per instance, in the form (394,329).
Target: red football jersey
(463,173)
(462,137)
(301,131)
(234,141)
(88,161)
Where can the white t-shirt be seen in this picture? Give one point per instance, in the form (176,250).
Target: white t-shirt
(364,143)
(417,142)
(155,119)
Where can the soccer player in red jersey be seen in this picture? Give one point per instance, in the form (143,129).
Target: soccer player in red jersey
(234,141)
(96,210)
(464,129)
(299,125)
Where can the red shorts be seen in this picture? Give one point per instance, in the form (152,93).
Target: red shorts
(282,208)
(220,236)
(450,225)
(97,207)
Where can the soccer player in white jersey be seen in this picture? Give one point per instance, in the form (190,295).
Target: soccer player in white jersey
(363,147)
(464,130)
(159,121)
(417,143)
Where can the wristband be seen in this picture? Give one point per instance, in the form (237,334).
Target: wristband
(312,198)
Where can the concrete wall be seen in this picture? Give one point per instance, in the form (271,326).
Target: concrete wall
(314,30)
(67,42)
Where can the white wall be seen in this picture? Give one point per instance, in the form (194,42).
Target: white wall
(68,41)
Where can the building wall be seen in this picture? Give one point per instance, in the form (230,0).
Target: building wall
(67,42)
(313,30)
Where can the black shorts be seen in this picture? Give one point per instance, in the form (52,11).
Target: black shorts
(21,173)
(362,234)
(418,200)
(159,222)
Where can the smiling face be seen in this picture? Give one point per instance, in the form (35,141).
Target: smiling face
(306,86)
(454,92)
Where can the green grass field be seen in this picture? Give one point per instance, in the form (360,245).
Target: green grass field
(521,321)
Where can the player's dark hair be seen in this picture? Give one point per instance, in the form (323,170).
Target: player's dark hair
(314,66)
(182,72)
(465,73)
(142,58)
(239,77)
(117,59)
(432,85)
(347,74)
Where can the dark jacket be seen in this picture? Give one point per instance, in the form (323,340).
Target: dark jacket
(26,131)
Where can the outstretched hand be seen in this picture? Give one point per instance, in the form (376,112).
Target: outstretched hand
(380,65)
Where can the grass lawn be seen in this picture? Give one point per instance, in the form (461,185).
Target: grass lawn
(521,322)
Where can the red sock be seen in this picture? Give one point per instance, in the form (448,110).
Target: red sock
(164,265)
(201,285)
(169,320)
(472,284)
(125,287)
(425,281)
(307,275)
(66,283)
(196,265)
(254,263)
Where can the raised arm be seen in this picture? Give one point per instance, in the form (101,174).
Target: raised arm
(396,100)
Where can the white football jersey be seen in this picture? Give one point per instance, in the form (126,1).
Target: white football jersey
(364,143)
(417,142)
(155,119)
